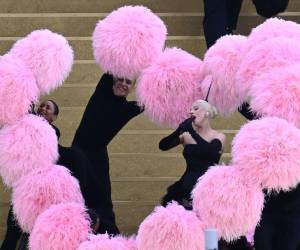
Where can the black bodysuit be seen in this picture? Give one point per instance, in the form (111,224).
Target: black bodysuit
(103,118)
(199,157)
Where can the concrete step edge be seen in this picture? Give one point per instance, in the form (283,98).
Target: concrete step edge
(89,38)
(163,14)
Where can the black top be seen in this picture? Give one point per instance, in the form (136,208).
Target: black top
(199,157)
(104,116)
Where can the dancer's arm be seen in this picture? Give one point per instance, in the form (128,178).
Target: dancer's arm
(173,139)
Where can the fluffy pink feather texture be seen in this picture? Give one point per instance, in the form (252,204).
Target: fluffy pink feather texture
(169,86)
(223,200)
(48,55)
(273,27)
(277,93)
(171,228)
(104,242)
(36,192)
(221,63)
(266,56)
(61,227)
(17,89)
(127,40)
(267,151)
(26,145)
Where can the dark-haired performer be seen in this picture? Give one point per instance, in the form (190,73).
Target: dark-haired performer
(106,113)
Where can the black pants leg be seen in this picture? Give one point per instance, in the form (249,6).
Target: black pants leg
(100,191)
(289,232)
(265,237)
(215,20)
(220,17)
(13,232)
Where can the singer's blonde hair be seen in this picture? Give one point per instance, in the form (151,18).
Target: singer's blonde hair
(210,109)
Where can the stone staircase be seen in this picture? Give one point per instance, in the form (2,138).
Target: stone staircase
(140,172)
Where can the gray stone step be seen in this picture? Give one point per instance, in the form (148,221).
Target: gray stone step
(82,46)
(92,6)
(83,24)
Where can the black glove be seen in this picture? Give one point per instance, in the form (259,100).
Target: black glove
(185,126)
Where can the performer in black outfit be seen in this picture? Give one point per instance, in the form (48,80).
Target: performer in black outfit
(202,149)
(280,222)
(106,113)
(221,16)
(71,158)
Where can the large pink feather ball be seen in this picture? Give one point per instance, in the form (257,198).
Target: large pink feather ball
(223,200)
(62,227)
(18,89)
(26,145)
(221,63)
(168,88)
(36,192)
(271,28)
(171,228)
(104,242)
(48,55)
(267,151)
(277,93)
(127,40)
(266,56)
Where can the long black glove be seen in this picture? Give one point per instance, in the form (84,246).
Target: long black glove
(173,140)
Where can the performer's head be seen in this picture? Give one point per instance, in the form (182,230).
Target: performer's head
(202,111)
(49,110)
(122,86)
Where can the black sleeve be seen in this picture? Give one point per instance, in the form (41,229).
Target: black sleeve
(104,85)
(173,140)
(134,109)
(170,141)
(247,113)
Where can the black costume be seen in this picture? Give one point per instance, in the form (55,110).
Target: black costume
(279,228)
(221,16)
(103,118)
(79,166)
(199,157)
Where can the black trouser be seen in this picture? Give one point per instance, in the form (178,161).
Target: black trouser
(278,231)
(221,16)
(13,232)
(99,193)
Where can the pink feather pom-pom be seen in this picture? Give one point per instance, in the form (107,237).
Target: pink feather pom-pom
(104,242)
(170,228)
(277,93)
(168,88)
(267,152)
(26,145)
(224,200)
(221,63)
(266,56)
(48,55)
(64,227)
(18,89)
(271,28)
(127,40)
(36,192)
